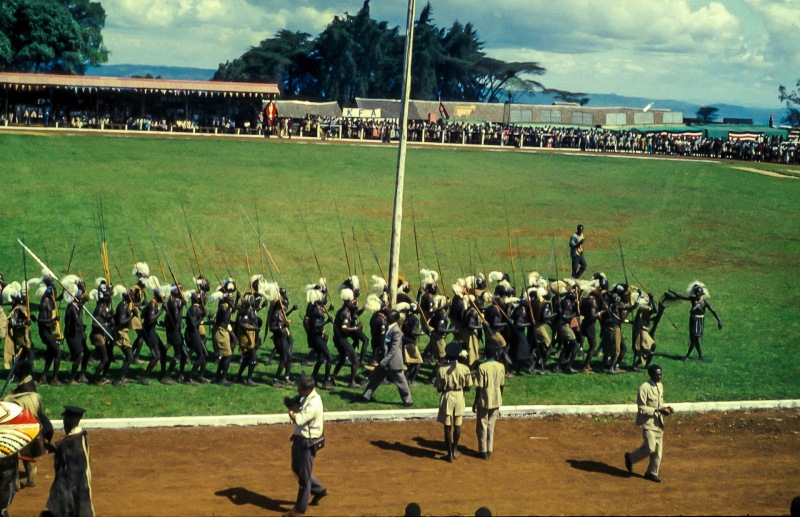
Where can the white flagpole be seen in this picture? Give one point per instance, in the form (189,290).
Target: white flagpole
(397,219)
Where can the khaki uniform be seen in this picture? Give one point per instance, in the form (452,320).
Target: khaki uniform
(650,400)
(451,379)
(490,377)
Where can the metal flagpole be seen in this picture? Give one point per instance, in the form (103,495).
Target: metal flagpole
(394,262)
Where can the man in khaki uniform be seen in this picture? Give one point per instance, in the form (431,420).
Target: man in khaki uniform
(650,417)
(452,379)
(490,379)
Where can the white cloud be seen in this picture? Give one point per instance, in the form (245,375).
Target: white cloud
(698,49)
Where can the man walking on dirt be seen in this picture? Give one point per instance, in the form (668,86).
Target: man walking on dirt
(650,417)
(307,439)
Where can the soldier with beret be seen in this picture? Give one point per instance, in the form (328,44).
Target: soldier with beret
(452,379)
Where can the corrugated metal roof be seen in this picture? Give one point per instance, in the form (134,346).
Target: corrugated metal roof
(83,81)
(299,109)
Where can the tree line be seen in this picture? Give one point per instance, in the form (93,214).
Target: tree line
(51,36)
(358,56)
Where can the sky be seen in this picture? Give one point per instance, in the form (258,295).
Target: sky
(700,51)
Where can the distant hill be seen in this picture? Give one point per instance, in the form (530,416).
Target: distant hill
(166,72)
(598,100)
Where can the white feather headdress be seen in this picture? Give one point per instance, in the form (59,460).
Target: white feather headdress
(698,283)
(373,304)
(141,269)
(378,285)
(314,293)
(429,277)
(11,290)
(346,294)
(496,276)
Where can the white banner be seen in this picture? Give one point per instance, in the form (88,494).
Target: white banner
(361,113)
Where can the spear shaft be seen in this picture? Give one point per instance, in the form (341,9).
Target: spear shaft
(191,240)
(37,259)
(311,243)
(414,224)
(374,254)
(344,245)
(508,234)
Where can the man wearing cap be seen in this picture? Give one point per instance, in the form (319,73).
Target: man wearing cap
(650,417)
(71,492)
(452,379)
(306,414)
(490,379)
(391,366)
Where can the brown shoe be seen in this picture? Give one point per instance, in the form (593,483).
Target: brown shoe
(293,513)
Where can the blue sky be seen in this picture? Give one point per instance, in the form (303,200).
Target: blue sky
(701,51)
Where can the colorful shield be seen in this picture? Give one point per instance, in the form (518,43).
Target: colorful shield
(18,427)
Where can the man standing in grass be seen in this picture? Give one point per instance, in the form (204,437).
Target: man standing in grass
(576,252)
(650,417)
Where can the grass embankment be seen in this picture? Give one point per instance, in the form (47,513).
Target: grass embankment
(678,221)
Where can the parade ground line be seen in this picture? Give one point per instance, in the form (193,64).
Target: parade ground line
(424,414)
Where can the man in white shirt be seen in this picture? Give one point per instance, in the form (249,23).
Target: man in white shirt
(306,413)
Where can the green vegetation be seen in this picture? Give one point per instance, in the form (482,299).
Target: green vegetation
(678,221)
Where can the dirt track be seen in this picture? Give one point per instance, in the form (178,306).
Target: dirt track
(716,463)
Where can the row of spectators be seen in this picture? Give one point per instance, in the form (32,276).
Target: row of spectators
(763,148)
(772,149)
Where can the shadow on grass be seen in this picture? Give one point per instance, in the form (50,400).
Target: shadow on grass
(599,467)
(241,496)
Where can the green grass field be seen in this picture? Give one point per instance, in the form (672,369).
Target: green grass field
(678,221)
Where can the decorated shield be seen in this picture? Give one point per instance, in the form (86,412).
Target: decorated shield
(18,428)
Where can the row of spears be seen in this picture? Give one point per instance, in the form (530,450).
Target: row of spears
(552,316)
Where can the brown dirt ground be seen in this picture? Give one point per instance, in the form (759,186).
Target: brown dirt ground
(716,463)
